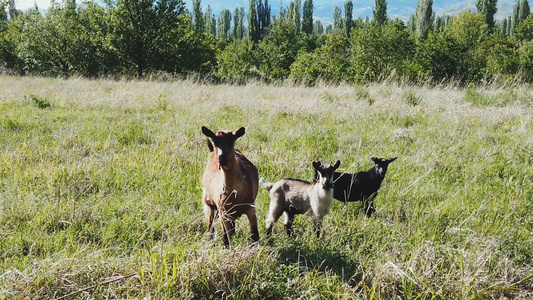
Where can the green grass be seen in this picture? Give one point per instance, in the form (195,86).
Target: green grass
(100,193)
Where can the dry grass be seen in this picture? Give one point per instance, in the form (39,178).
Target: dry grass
(100,192)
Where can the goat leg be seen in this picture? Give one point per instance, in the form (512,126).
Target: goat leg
(252,218)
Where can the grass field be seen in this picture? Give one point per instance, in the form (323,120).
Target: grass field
(100,193)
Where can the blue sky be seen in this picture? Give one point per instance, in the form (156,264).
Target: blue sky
(323,9)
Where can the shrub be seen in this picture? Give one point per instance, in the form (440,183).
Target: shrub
(380,52)
(327,62)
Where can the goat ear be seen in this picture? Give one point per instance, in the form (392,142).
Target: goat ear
(210,146)
(375,159)
(317,164)
(208,132)
(239,133)
(393,159)
(337,165)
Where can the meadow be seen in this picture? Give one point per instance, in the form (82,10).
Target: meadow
(100,194)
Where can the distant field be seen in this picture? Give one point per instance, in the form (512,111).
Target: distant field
(100,194)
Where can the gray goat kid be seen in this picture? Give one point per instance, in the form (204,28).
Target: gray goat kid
(291,197)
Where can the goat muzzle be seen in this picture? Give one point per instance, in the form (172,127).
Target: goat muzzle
(328,185)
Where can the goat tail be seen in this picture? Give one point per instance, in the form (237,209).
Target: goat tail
(265,184)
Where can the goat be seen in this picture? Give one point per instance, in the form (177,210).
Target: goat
(230,184)
(362,186)
(291,197)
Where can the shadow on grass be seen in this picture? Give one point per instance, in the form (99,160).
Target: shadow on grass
(320,257)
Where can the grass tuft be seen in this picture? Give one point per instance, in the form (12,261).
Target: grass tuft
(100,196)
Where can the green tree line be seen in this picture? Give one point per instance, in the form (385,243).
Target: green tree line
(140,37)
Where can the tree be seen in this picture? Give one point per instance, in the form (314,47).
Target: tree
(224,24)
(468,31)
(279,49)
(237,63)
(13,11)
(307,22)
(297,14)
(263,17)
(238,23)
(423,15)
(380,12)
(348,17)
(198,16)
(504,26)
(318,28)
(327,62)
(144,30)
(253,22)
(524,11)
(379,52)
(488,9)
(516,13)
(210,21)
(337,19)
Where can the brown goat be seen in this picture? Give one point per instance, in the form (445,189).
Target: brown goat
(230,183)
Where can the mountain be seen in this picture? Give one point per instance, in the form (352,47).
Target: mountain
(401,9)
(323,9)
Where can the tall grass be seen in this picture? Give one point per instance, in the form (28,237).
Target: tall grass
(100,191)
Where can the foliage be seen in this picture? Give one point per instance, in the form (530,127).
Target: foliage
(145,31)
(526,60)
(279,50)
(501,56)
(380,12)
(134,38)
(424,13)
(524,31)
(327,62)
(468,31)
(378,52)
(438,57)
(487,8)
(307,20)
(237,62)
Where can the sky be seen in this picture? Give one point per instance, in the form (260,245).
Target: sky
(323,9)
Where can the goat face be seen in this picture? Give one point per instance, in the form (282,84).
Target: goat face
(382,164)
(324,173)
(223,142)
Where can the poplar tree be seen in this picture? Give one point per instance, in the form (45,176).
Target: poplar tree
(253,23)
(348,16)
(198,16)
(380,12)
(238,23)
(524,11)
(210,21)
(13,11)
(423,17)
(488,9)
(411,24)
(337,19)
(516,18)
(263,16)
(297,14)
(318,28)
(224,24)
(504,27)
(307,22)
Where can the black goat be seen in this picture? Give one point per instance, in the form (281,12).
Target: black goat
(362,186)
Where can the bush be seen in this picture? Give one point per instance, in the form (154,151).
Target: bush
(327,62)
(380,52)
(237,62)
(279,49)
